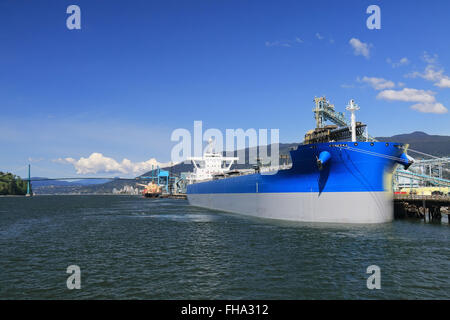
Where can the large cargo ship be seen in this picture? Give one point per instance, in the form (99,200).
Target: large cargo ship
(328,181)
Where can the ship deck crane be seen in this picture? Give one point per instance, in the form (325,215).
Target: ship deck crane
(324,111)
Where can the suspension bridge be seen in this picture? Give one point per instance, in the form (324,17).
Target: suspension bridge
(163,178)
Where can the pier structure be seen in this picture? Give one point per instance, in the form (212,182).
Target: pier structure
(160,177)
(428,208)
(424,172)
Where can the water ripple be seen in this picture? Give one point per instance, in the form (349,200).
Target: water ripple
(135,248)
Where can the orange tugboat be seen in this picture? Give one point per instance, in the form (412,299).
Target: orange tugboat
(151,190)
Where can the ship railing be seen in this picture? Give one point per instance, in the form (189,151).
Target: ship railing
(276,168)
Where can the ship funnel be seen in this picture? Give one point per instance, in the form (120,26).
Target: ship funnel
(323,158)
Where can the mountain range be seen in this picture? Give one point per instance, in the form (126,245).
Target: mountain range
(438,146)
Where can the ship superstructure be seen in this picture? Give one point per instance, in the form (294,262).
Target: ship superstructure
(209,165)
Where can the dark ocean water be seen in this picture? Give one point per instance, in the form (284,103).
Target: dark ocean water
(128,247)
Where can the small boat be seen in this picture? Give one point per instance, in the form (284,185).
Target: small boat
(151,190)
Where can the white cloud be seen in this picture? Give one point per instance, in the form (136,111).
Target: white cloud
(30,159)
(360,48)
(98,163)
(430,59)
(429,73)
(402,62)
(407,94)
(430,107)
(284,43)
(432,72)
(278,44)
(319,36)
(437,76)
(443,83)
(426,101)
(378,83)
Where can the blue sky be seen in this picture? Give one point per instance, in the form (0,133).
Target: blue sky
(137,70)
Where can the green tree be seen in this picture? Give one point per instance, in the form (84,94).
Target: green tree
(12,185)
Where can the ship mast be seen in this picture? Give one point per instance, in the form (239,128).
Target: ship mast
(353,107)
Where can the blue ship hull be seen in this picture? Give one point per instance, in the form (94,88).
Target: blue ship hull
(328,182)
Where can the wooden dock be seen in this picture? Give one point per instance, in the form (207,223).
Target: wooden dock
(430,208)
(174,196)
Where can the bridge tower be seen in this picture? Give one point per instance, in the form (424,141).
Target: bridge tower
(29,182)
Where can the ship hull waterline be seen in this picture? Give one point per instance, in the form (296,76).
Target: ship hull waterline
(330,207)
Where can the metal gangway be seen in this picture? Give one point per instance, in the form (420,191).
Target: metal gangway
(439,182)
(425,172)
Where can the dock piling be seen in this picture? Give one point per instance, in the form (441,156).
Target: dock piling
(419,206)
